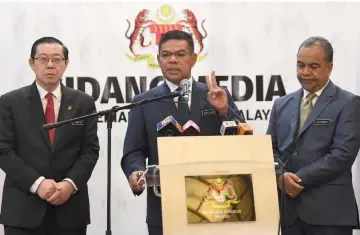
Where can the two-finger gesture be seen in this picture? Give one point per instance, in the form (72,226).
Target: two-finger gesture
(217,97)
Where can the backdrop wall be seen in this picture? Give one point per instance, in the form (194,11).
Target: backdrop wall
(252,47)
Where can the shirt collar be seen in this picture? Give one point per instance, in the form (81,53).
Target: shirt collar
(42,92)
(318,93)
(173,86)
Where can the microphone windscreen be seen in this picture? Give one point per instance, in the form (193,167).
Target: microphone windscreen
(190,129)
(228,128)
(169,127)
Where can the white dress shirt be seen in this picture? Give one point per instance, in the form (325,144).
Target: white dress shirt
(173,87)
(318,93)
(57,101)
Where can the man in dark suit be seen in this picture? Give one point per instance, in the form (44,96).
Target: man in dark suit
(315,133)
(45,189)
(208,106)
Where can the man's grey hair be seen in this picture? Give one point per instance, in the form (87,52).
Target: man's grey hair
(324,43)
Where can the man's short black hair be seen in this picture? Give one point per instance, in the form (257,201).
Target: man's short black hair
(177,35)
(50,40)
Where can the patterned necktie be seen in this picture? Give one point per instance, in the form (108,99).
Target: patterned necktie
(50,115)
(305,109)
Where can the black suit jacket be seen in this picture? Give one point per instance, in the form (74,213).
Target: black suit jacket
(141,136)
(25,155)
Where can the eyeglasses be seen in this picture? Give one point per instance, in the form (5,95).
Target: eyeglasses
(180,55)
(54,60)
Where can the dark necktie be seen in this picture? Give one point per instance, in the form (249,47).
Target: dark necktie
(50,116)
(183,107)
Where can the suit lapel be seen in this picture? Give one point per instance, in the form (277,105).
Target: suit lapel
(323,100)
(65,113)
(295,112)
(37,111)
(167,106)
(198,101)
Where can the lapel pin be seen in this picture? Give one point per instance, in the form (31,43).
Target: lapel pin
(70,107)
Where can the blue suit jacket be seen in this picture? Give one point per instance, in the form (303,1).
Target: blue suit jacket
(321,155)
(141,136)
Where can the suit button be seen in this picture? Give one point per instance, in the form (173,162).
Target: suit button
(295,153)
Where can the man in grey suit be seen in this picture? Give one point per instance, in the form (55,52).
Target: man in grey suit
(319,149)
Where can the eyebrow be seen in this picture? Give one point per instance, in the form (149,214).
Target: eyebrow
(182,50)
(311,64)
(51,55)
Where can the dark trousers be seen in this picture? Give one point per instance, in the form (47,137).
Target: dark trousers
(302,228)
(154,230)
(49,227)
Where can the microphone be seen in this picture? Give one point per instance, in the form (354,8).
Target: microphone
(229,128)
(169,127)
(244,128)
(190,129)
(185,88)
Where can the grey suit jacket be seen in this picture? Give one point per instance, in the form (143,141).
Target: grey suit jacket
(321,155)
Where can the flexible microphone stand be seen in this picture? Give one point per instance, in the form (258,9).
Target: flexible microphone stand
(282,165)
(111,114)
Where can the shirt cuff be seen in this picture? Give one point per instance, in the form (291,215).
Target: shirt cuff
(73,184)
(36,184)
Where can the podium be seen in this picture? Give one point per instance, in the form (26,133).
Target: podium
(215,185)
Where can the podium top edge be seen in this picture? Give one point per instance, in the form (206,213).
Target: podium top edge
(246,163)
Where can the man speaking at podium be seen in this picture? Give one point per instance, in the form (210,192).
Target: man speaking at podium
(319,150)
(208,106)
